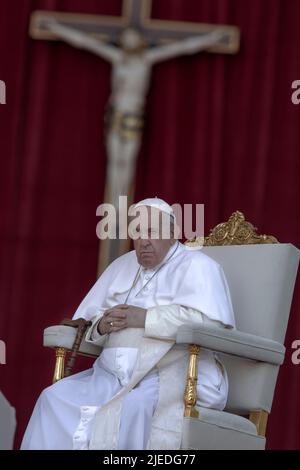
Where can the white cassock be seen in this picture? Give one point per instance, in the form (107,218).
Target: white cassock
(132,398)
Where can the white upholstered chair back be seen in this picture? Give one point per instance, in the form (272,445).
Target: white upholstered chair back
(261,280)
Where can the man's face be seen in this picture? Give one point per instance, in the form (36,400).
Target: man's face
(151,248)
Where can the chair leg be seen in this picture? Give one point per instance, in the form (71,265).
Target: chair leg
(260,419)
(190,394)
(59,371)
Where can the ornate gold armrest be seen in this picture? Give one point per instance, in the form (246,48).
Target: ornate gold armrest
(60,353)
(190,394)
(59,371)
(259,417)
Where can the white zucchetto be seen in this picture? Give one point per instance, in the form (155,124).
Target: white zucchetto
(159,204)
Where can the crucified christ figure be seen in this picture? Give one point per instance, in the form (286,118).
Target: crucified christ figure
(132,61)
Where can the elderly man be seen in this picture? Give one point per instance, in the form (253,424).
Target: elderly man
(132,398)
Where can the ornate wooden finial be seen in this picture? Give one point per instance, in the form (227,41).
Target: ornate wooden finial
(236,231)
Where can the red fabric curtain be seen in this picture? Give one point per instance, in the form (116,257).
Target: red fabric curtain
(220,130)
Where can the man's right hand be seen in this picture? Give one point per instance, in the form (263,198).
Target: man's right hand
(114,319)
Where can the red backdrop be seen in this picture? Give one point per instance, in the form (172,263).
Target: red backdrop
(220,130)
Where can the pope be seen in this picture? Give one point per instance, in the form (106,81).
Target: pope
(132,397)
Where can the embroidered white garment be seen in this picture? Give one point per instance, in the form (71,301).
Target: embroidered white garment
(121,402)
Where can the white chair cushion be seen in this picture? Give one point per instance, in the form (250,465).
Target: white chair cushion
(61,336)
(227,420)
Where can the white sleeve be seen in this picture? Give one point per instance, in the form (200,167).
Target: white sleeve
(92,334)
(94,302)
(163,321)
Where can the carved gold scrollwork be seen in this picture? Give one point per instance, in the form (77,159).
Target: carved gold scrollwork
(236,231)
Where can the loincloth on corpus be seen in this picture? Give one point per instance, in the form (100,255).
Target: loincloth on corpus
(128,125)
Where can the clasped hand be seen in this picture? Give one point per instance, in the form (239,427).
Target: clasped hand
(122,316)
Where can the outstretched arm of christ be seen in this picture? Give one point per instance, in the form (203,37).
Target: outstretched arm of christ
(190,45)
(84,41)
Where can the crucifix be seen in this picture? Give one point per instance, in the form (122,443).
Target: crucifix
(132,43)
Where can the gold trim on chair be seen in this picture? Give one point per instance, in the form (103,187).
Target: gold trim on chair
(190,394)
(236,231)
(59,371)
(260,419)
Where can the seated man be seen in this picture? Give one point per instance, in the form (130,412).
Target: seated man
(132,398)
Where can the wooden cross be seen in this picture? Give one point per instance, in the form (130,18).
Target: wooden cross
(107,30)
(136,14)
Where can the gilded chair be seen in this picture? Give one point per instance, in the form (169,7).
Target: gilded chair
(261,274)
